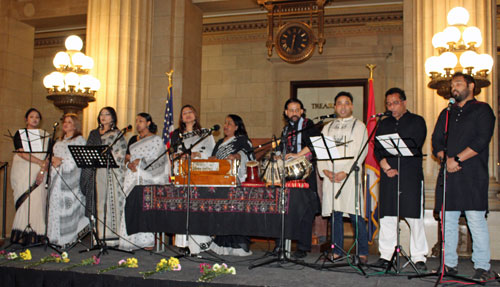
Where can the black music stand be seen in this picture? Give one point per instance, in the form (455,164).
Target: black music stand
(330,146)
(396,146)
(31,187)
(96,157)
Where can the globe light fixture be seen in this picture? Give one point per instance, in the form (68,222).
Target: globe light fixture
(457,47)
(71,86)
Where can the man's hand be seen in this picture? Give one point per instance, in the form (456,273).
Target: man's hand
(340,176)
(290,155)
(452,166)
(328,174)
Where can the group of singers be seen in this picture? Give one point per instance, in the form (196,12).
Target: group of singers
(460,142)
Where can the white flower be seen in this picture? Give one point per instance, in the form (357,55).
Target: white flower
(64,255)
(216,267)
(232,271)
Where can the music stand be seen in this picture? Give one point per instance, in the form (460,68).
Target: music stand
(34,145)
(96,157)
(325,148)
(396,146)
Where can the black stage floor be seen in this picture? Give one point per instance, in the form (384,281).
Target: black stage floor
(13,273)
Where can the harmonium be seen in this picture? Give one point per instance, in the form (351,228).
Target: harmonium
(207,172)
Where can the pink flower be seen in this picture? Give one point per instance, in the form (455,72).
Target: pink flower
(121,262)
(177,267)
(97,260)
(2,252)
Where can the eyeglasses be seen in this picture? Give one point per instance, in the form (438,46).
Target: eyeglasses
(395,103)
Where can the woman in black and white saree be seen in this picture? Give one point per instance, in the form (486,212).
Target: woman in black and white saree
(234,146)
(143,150)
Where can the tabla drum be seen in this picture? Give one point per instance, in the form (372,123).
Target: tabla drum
(271,170)
(297,168)
(252,172)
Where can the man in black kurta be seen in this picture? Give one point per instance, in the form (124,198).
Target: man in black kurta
(412,129)
(299,144)
(470,128)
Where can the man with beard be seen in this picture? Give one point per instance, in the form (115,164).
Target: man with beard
(470,127)
(412,129)
(299,144)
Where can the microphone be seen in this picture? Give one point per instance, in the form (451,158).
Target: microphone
(127,128)
(332,116)
(384,114)
(215,128)
(451,102)
(55,124)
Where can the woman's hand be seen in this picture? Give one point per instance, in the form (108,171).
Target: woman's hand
(234,156)
(133,165)
(56,161)
(39,177)
(290,155)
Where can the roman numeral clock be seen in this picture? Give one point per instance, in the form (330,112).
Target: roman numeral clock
(295,39)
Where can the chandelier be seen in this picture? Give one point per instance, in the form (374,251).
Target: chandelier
(70,86)
(457,46)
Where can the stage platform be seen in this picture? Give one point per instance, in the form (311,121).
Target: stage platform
(13,273)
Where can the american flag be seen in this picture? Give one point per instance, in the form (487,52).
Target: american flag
(168,122)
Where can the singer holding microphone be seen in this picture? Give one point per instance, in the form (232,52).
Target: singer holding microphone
(234,146)
(66,202)
(412,129)
(142,150)
(93,181)
(349,135)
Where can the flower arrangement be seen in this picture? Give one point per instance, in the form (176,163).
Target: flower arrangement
(12,256)
(54,257)
(210,272)
(172,264)
(124,263)
(94,260)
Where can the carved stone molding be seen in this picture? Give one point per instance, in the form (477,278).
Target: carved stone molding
(335,25)
(54,41)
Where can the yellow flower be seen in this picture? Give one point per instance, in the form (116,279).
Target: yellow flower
(65,260)
(26,255)
(132,263)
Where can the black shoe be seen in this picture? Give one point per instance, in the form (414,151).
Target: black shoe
(381,263)
(299,254)
(450,270)
(421,266)
(481,275)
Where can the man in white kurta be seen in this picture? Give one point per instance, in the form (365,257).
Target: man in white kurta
(350,136)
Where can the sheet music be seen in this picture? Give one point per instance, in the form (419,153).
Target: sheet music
(389,141)
(33,141)
(320,149)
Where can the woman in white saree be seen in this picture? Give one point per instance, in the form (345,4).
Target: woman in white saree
(143,149)
(66,202)
(26,178)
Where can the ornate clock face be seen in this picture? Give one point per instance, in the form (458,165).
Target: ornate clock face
(295,42)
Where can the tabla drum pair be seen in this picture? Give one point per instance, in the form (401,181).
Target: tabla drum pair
(295,168)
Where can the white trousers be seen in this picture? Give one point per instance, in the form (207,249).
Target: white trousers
(387,238)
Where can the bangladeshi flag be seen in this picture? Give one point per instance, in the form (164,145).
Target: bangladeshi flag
(372,169)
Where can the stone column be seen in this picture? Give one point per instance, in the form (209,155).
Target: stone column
(422,19)
(119,41)
(176,45)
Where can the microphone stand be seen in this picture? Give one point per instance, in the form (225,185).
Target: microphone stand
(47,185)
(186,152)
(282,256)
(441,273)
(101,245)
